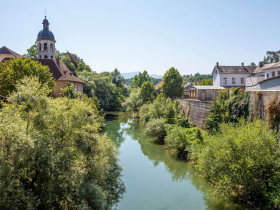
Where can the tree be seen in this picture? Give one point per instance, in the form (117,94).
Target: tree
(148,91)
(32,52)
(140,79)
(117,78)
(52,156)
(252,64)
(172,83)
(68,62)
(271,56)
(133,102)
(12,71)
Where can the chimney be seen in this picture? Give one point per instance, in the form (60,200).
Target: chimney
(217,65)
(261,64)
(276,60)
(242,64)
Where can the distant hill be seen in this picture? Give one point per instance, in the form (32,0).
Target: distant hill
(132,74)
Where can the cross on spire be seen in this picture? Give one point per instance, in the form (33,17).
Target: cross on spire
(45,13)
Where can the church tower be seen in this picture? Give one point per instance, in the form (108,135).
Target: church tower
(46,42)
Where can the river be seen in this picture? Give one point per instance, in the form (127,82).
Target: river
(155,180)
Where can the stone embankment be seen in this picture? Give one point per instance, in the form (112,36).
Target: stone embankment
(197,111)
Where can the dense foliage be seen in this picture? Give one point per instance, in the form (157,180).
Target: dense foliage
(153,80)
(196,77)
(140,79)
(52,156)
(134,101)
(227,109)
(172,83)
(107,87)
(12,71)
(242,160)
(148,91)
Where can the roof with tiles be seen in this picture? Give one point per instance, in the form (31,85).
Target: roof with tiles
(234,69)
(58,69)
(6,51)
(261,68)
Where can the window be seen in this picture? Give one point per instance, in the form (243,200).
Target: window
(273,74)
(51,56)
(46,56)
(242,80)
(82,88)
(225,80)
(45,46)
(267,76)
(40,47)
(76,87)
(233,80)
(40,56)
(51,47)
(278,73)
(216,71)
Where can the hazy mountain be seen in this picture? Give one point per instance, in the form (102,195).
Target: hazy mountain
(132,74)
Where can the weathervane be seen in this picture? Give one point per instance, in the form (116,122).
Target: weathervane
(45,13)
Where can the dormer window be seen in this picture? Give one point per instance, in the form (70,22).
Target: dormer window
(65,73)
(71,74)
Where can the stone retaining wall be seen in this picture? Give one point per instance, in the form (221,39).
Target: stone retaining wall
(197,111)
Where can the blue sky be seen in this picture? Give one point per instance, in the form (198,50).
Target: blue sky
(148,34)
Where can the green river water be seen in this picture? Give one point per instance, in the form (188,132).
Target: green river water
(155,180)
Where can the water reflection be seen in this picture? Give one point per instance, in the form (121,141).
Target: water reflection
(122,126)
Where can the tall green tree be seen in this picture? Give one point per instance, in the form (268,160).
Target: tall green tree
(172,83)
(32,52)
(140,79)
(52,156)
(12,71)
(148,91)
(117,78)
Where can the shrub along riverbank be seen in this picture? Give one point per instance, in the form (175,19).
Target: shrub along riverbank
(239,156)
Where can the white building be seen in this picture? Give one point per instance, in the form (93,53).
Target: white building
(231,76)
(250,77)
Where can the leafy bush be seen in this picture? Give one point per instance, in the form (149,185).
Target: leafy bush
(155,127)
(225,109)
(241,159)
(183,140)
(69,92)
(134,101)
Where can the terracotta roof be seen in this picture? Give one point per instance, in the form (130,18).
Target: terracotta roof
(157,86)
(5,50)
(58,69)
(234,69)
